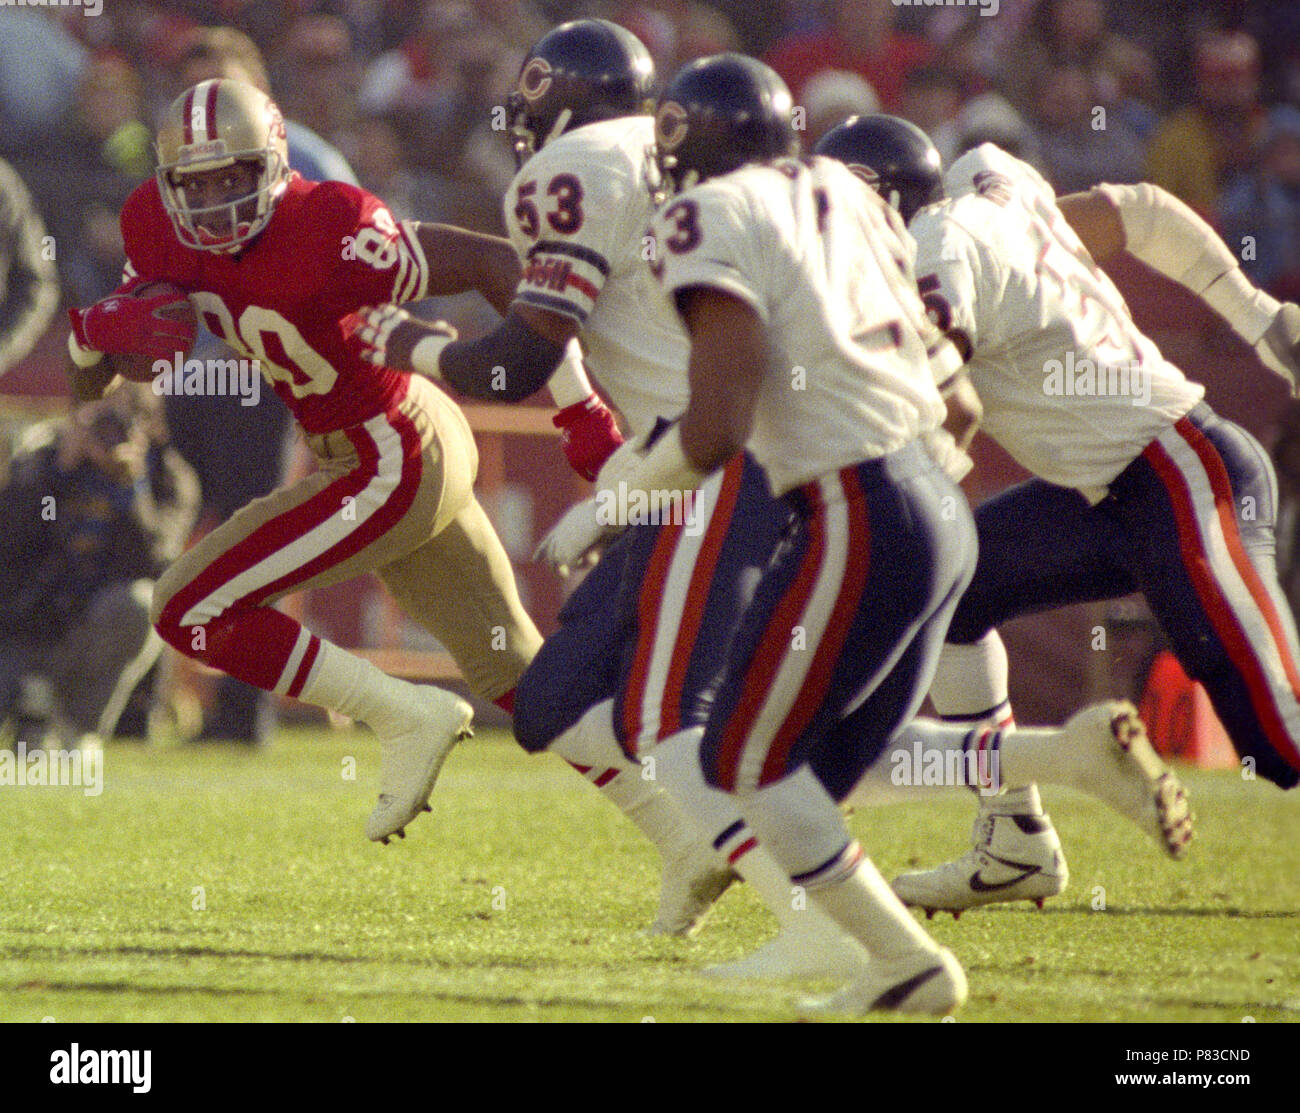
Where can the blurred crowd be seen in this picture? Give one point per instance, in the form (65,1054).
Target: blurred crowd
(1200,96)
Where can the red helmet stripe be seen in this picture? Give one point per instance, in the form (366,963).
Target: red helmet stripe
(211,107)
(187,114)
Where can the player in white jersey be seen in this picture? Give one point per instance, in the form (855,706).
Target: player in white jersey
(1138,480)
(807,346)
(644,637)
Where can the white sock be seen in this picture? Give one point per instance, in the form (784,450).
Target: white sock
(860,901)
(1031,754)
(717,816)
(352,686)
(799,821)
(970,684)
(591,747)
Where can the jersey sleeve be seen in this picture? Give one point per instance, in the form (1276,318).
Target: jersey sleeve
(949,270)
(565,223)
(146,233)
(704,239)
(380,259)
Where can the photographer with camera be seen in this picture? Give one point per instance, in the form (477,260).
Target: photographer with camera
(91,516)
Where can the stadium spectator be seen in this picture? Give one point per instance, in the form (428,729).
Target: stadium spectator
(976,46)
(92,516)
(406,78)
(989,118)
(40,68)
(830,97)
(1074,32)
(320,74)
(677,31)
(1079,141)
(439,90)
(29,284)
(108,152)
(931,99)
(862,39)
(1197,148)
(382,168)
(1260,208)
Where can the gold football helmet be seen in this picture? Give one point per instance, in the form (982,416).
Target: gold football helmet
(218,124)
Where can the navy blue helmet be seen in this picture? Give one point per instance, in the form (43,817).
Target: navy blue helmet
(719,113)
(578,73)
(894,157)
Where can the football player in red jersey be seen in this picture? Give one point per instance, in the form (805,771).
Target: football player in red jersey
(278,266)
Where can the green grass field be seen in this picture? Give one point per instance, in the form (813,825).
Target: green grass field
(208,885)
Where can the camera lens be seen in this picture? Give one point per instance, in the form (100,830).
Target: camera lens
(110,429)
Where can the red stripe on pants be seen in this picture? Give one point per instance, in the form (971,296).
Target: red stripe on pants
(697,596)
(661,559)
(1200,571)
(813,691)
(774,645)
(252,642)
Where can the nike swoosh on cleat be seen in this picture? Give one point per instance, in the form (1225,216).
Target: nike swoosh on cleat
(979,885)
(892,998)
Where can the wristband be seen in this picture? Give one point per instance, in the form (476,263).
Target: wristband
(426,354)
(82,357)
(1238,301)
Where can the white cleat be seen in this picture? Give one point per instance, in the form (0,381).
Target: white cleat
(818,951)
(1120,768)
(411,761)
(691,885)
(1015,855)
(925,981)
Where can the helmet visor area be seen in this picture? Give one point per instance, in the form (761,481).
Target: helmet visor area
(219,208)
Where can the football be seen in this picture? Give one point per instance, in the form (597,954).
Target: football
(140,369)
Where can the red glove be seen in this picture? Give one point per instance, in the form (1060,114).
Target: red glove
(588,434)
(131,325)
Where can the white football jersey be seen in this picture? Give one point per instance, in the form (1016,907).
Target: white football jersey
(577,214)
(825,264)
(1071,388)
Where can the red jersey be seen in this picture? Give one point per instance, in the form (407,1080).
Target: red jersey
(290,298)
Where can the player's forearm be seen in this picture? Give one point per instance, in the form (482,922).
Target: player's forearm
(728,360)
(1096,221)
(460,260)
(1169,237)
(507,365)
